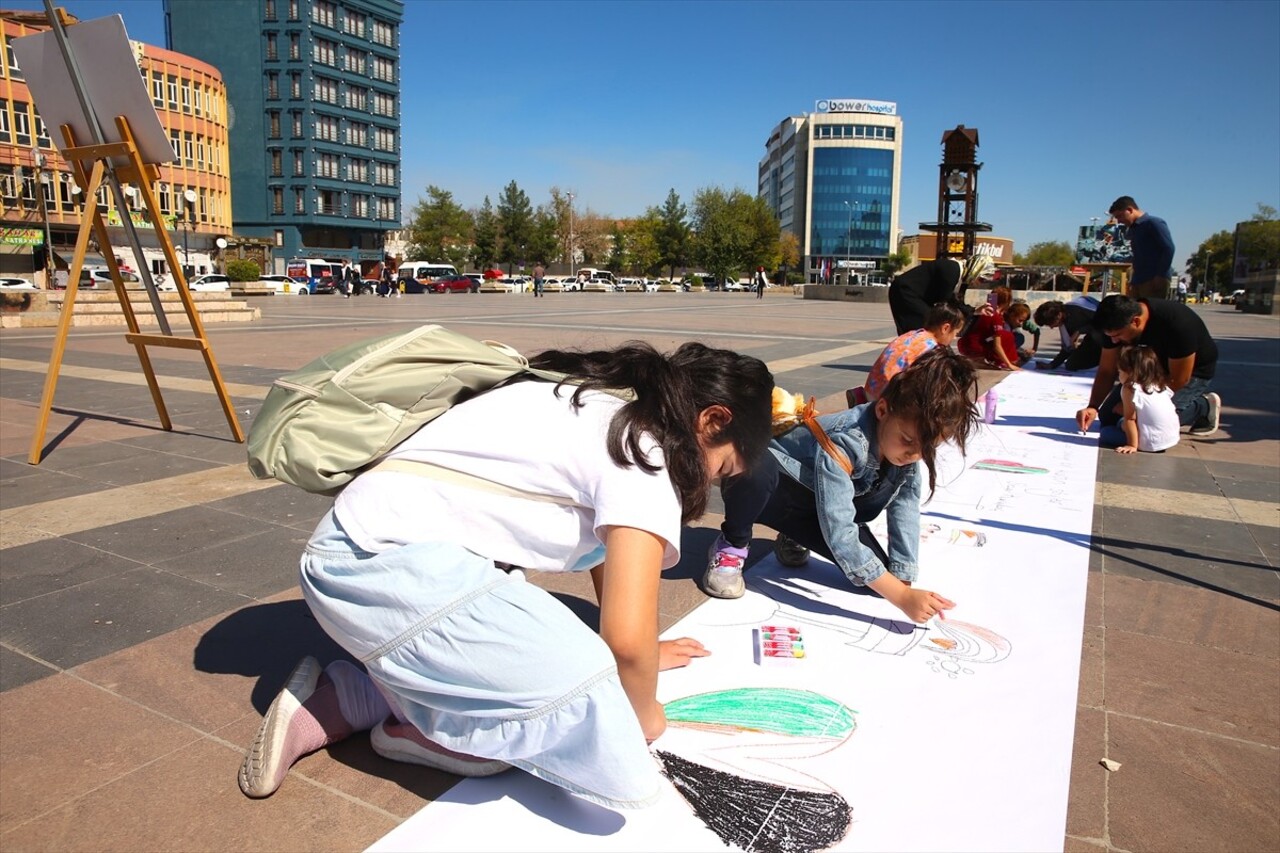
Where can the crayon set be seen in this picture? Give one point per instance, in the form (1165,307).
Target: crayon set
(778,644)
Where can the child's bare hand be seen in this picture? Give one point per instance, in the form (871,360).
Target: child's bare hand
(673,654)
(653,723)
(1126,448)
(921,605)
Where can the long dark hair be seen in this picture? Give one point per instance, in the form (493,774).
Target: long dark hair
(937,393)
(670,392)
(1144,367)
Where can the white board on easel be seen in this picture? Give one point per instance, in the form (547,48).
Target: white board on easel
(113,86)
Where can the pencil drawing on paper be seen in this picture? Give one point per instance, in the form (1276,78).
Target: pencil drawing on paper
(749,793)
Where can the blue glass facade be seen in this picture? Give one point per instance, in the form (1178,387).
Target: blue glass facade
(852,197)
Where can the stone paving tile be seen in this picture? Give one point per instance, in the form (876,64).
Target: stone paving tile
(41,486)
(1092,690)
(73,738)
(1268,541)
(172,534)
(17,670)
(42,567)
(1172,474)
(143,469)
(187,800)
(255,566)
(1184,790)
(102,616)
(1190,615)
(1087,806)
(1250,577)
(282,504)
(1192,535)
(1207,689)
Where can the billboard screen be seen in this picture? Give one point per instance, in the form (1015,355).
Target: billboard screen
(1103,244)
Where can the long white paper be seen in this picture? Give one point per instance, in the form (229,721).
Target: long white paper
(962,729)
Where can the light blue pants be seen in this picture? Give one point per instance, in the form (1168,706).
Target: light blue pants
(483,662)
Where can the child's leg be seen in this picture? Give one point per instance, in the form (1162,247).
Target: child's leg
(1107,414)
(744,499)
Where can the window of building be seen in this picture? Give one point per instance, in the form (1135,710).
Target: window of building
(386,174)
(175,140)
(863,176)
(273,85)
(199,100)
(356,61)
(329,201)
(295,46)
(328,166)
(273,119)
(42,134)
(5,133)
(21,125)
(15,73)
(358,170)
(8,186)
(384,104)
(273,52)
(358,134)
(186,96)
(299,167)
(385,139)
(327,128)
(188,149)
(171,85)
(357,98)
(293,10)
(325,14)
(353,24)
(277,199)
(295,85)
(163,198)
(326,90)
(386,208)
(297,124)
(384,69)
(360,205)
(325,52)
(157,89)
(299,200)
(384,33)
(200,150)
(269,12)
(277,163)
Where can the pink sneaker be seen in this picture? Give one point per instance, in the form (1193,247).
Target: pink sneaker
(403,742)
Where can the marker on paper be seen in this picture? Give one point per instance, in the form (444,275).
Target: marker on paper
(778,644)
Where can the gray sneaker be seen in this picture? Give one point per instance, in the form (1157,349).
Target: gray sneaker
(790,553)
(723,578)
(1210,425)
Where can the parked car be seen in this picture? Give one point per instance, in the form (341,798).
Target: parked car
(16,284)
(209,282)
(476,277)
(733,284)
(1234,298)
(631,285)
(367,287)
(100,277)
(454,284)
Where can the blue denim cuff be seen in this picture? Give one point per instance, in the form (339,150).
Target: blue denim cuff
(906,572)
(867,573)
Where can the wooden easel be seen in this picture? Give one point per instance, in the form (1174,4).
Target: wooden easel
(1121,271)
(90,164)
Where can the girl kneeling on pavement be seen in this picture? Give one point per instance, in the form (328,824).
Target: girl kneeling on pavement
(470,668)
(821,498)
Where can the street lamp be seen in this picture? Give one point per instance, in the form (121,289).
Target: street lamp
(189,199)
(570,197)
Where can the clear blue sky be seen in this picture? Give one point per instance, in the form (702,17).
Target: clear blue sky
(1076,103)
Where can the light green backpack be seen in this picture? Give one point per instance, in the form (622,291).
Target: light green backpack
(322,425)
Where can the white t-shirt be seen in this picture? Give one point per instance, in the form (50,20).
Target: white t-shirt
(1157,419)
(524,437)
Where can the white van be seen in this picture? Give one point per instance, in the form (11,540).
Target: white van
(415,275)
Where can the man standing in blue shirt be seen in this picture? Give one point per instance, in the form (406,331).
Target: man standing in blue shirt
(1152,246)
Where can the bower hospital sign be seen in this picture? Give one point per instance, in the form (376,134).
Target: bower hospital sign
(856,105)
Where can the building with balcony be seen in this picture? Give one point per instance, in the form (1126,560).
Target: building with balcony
(314,91)
(832,178)
(41,207)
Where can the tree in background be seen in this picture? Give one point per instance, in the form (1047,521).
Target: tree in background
(243,269)
(560,210)
(591,237)
(732,232)
(642,243)
(440,229)
(515,225)
(673,235)
(1050,253)
(544,244)
(1215,252)
(1260,240)
(788,253)
(484,245)
(895,263)
(619,250)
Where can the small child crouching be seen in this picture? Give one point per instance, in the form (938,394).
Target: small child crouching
(1148,420)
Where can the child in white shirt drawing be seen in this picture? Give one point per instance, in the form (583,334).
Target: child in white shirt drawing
(1148,420)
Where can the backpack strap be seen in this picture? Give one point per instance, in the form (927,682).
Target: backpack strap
(470,481)
(809,417)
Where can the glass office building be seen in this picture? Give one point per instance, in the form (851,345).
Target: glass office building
(313,88)
(832,178)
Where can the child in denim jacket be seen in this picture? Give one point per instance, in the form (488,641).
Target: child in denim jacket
(803,491)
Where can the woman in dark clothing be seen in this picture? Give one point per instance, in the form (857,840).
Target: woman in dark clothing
(918,289)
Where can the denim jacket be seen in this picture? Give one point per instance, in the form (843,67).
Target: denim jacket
(872,489)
